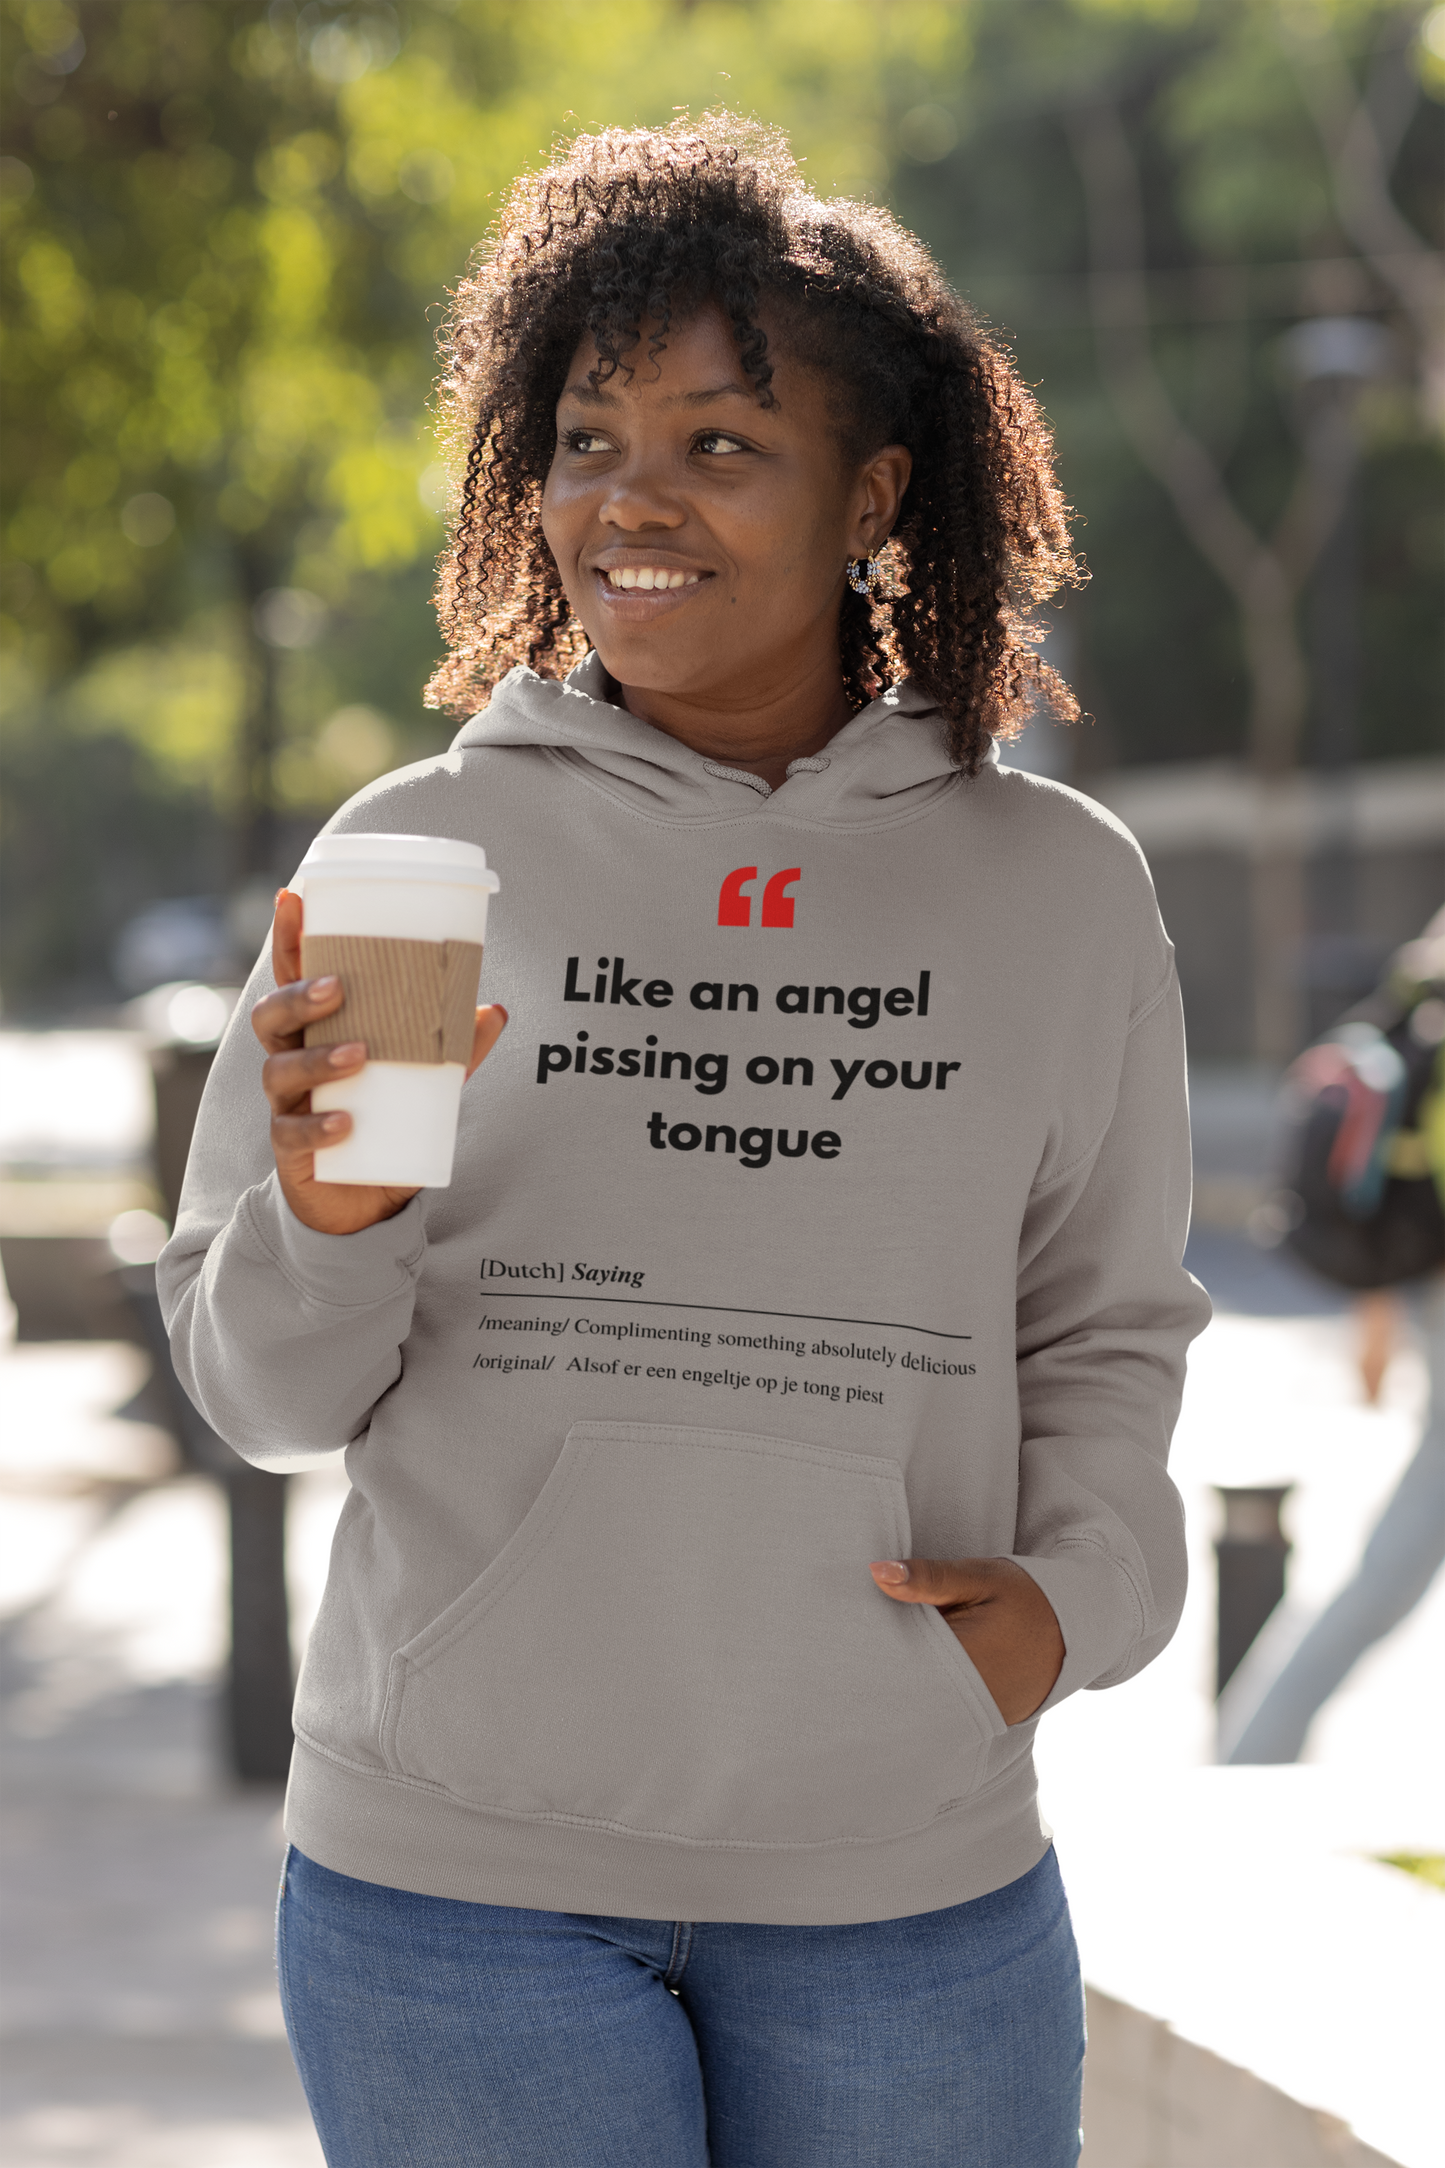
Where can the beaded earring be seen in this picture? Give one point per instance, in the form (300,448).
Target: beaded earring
(864,574)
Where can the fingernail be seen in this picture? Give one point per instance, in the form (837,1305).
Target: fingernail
(341,1057)
(890,1569)
(320,988)
(332,1122)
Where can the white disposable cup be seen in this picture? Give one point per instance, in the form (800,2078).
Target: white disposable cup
(406,888)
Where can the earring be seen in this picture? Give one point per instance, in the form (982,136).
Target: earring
(864,574)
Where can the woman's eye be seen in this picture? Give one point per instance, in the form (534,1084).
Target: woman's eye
(715,443)
(585,440)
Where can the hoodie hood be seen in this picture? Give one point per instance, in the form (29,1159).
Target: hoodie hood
(888,762)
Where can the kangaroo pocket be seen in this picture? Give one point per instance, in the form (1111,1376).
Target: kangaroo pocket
(683,1639)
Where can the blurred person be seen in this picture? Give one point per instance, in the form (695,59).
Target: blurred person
(1407,1546)
(663,1789)
(1397,1566)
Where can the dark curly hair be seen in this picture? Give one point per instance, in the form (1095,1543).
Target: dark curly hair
(641,227)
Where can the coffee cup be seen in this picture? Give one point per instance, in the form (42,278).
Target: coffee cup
(400,920)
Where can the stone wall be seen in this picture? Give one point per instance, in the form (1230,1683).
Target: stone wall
(1371,843)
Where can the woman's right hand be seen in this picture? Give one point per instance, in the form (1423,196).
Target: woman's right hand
(292,1068)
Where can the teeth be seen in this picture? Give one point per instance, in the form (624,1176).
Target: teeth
(650,578)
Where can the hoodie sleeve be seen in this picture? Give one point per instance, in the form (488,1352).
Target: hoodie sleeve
(285,1339)
(1105,1314)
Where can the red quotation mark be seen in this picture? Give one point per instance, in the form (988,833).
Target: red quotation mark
(736,909)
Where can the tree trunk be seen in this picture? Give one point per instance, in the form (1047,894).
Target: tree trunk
(256,833)
(1279,694)
(1263,576)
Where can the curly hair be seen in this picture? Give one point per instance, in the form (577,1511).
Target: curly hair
(641,227)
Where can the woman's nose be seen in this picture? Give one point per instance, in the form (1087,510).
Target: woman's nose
(638,499)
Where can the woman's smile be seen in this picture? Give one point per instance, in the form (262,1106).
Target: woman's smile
(651,578)
(637,592)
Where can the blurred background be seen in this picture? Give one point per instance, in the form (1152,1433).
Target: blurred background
(1211,231)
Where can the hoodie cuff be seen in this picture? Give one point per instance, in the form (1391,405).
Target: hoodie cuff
(342,1272)
(1098,1612)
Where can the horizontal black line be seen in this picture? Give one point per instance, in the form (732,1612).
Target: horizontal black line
(727,1309)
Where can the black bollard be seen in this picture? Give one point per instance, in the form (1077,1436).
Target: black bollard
(258,1682)
(1252,1553)
(178,1078)
(257,1703)
(258,1669)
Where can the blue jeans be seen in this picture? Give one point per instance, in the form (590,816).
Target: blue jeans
(435,2034)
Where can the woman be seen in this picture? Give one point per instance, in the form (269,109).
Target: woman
(770,1420)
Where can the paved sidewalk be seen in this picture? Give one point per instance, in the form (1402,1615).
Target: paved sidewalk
(1260,1921)
(139,2015)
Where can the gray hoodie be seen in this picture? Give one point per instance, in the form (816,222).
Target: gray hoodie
(823,1201)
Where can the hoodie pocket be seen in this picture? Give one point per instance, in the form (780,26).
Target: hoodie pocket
(682,1639)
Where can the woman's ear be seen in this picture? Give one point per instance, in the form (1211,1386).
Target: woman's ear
(879,498)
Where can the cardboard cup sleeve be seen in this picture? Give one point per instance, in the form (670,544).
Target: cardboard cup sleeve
(412,1001)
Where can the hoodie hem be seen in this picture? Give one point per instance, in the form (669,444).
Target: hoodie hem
(408,1837)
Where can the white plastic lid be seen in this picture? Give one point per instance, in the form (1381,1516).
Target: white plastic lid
(407,858)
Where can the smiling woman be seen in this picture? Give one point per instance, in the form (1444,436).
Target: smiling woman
(663,1791)
(683,508)
(671,346)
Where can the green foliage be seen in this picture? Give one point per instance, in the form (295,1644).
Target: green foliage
(227,227)
(94,829)
(1426,1866)
(1243,240)
(1250,176)
(194,315)
(224,232)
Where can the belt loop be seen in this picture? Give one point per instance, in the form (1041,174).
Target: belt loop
(681,1951)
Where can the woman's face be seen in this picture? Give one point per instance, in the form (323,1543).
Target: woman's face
(701,538)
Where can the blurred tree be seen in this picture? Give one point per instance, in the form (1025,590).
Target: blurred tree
(215,373)
(1238,168)
(225,227)
(1300,73)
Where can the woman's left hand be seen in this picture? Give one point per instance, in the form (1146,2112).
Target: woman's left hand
(1000,1615)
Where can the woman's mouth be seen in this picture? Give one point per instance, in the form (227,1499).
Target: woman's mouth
(651,579)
